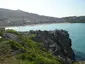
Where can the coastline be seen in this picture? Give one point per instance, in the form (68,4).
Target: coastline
(37,24)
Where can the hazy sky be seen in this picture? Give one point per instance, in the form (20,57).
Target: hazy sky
(56,8)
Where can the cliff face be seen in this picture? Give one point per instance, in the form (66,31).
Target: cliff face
(57,42)
(31,45)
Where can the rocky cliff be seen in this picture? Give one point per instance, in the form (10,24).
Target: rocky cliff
(37,47)
(57,42)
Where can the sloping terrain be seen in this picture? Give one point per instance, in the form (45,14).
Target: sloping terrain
(19,49)
(35,47)
(19,17)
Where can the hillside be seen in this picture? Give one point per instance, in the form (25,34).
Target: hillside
(35,47)
(19,17)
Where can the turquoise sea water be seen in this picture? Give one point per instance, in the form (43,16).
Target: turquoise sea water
(76,31)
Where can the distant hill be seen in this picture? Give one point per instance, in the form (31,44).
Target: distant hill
(19,17)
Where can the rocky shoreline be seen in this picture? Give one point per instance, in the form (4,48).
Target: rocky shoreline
(56,42)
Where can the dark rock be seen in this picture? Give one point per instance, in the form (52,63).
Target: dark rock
(57,42)
(11,36)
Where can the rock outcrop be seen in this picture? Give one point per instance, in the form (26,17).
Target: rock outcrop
(57,42)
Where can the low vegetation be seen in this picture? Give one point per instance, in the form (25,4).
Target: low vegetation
(26,52)
(79,62)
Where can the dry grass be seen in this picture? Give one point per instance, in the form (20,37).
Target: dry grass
(80,62)
(10,60)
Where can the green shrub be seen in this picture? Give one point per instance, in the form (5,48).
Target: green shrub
(12,31)
(1,33)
